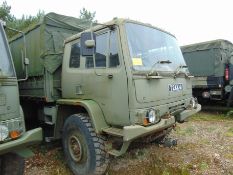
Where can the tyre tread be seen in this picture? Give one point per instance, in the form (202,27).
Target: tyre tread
(102,158)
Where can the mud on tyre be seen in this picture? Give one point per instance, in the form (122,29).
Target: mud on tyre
(84,150)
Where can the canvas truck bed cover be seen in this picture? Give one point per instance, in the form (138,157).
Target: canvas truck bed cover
(207,58)
(44,43)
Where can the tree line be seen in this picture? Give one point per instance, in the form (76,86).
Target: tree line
(26,21)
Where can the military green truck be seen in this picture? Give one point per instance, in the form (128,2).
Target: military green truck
(103,87)
(14,139)
(211,64)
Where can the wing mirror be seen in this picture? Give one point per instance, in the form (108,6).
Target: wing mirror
(88,40)
(90,43)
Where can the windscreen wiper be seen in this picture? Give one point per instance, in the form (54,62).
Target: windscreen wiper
(178,71)
(152,70)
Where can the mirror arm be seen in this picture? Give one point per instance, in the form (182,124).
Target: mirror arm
(26,73)
(92,38)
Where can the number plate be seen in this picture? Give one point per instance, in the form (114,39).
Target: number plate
(175,87)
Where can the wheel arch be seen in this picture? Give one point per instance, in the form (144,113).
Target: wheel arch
(68,107)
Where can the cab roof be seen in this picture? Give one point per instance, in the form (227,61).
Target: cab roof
(115,21)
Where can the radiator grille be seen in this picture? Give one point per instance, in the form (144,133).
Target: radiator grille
(176,108)
(2,99)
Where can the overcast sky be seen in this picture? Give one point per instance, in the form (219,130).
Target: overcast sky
(190,21)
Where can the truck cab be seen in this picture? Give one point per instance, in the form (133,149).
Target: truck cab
(13,136)
(135,75)
(135,71)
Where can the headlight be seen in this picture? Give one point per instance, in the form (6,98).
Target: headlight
(151,116)
(11,129)
(4,132)
(205,94)
(147,116)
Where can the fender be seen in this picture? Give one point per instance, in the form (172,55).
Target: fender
(93,109)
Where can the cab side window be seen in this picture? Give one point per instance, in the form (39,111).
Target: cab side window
(75,56)
(89,62)
(106,44)
(113,53)
(101,49)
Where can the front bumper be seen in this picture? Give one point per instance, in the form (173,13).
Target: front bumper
(181,117)
(135,131)
(30,137)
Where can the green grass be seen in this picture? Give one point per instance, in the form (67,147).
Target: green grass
(211,129)
(204,116)
(185,132)
(153,165)
(229,114)
(229,132)
(203,166)
(229,156)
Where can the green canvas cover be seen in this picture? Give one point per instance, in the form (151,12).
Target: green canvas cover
(44,43)
(214,44)
(207,58)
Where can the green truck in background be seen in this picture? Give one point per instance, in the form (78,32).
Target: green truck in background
(211,64)
(13,136)
(102,87)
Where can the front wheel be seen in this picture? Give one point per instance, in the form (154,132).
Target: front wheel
(11,164)
(84,149)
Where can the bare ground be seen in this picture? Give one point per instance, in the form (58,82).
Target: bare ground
(205,147)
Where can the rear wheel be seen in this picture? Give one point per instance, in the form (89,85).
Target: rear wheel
(84,149)
(12,164)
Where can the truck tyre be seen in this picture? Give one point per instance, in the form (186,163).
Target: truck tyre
(84,150)
(12,164)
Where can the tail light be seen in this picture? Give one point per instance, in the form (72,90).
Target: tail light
(227,73)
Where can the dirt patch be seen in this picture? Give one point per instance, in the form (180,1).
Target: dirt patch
(47,161)
(204,147)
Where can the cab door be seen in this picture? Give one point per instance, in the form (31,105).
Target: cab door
(108,79)
(100,77)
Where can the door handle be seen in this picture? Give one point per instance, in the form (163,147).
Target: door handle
(79,90)
(110,76)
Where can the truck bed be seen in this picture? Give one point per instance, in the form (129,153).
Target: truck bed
(44,46)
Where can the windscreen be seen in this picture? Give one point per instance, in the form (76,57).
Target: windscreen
(151,48)
(6,68)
